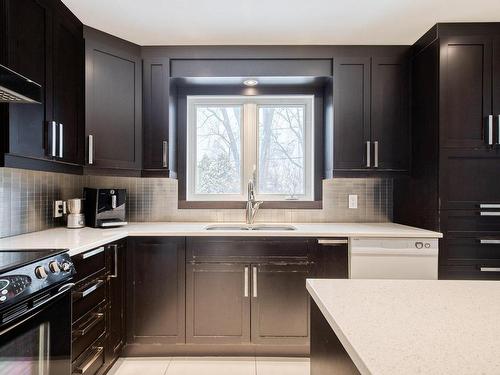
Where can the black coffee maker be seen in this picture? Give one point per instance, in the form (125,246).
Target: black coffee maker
(105,208)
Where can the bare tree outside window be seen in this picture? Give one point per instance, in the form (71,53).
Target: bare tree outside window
(281,150)
(218,150)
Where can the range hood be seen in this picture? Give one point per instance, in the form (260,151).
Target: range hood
(15,88)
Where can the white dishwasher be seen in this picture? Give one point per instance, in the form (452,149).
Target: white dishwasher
(393,258)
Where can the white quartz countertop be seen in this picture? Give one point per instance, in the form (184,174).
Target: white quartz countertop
(414,326)
(79,240)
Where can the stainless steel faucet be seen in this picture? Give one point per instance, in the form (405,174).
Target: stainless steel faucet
(252,204)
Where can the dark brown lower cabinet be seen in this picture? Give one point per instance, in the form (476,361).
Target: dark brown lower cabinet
(218,303)
(115,339)
(280,304)
(156,291)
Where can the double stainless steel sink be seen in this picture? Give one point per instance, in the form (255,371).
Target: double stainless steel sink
(243,227)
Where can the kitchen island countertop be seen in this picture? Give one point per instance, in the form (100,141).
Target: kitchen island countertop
(414,326)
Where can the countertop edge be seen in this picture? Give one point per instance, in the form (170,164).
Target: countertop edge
(356,358)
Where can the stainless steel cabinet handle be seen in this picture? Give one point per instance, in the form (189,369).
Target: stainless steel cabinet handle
(375,151)
(165,154)
(368,155)
(245,287)
(115,248)
(498,130)
(254,281)
(489,205)
(91,150)
(489,269)
(53,145)
(61,140)
(82,370)
(489,134)
(332,242)
(113,201)
(489,242)
(89,254)
(96,319)
(489,213)
(89,290)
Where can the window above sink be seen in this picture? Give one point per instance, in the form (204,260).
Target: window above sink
(232,138)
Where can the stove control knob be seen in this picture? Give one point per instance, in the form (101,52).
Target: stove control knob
(66,267)
(41,272)
(54,267)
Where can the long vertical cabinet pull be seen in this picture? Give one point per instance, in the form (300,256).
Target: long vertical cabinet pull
(53,143)
(368,155)
(489,134)
(254,281)
(115,249)
(91,150)
(245,287)
(61,140)
(375,154)
(165,154)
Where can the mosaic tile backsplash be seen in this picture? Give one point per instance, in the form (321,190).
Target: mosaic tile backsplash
(26,201)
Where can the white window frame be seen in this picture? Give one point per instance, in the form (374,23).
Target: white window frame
(250,143)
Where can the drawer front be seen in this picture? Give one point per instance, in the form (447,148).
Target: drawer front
(87,331)
(91,361)
(454,250)
(482,269)
(246,249)
(89,263)
(469,178)
(87,296)
(469,222)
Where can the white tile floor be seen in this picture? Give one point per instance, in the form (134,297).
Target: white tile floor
(211,366)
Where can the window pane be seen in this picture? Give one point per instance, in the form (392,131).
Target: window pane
(281,150)
(218,150)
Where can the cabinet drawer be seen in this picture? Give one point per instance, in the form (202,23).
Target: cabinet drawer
(246,249)
(469,178)
(469,222)
(87,297)
(89,263)
(91,361)
(469,248)
(87,331)
(483,269)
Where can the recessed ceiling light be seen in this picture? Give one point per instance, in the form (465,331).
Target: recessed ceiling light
(250,82)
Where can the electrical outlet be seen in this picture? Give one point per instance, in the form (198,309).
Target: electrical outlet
(58,208)
(353,201)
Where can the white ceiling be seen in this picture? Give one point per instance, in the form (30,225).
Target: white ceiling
(196,22)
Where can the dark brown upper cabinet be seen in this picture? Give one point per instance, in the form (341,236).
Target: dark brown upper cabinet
(371,115)
(158,105)
(43,40)
(113,92)
(466,114)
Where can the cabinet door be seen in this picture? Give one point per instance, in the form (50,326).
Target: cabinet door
(156,114)
(389,113)
(156,310)
(113,101)
(67,86)
(116,322)
(496,88)
(351,96)
(280,304)
(465,91)
(217,303)
(27,30)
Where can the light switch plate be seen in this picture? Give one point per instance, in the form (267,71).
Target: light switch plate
(353,201)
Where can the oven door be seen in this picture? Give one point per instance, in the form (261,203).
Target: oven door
(39,341)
